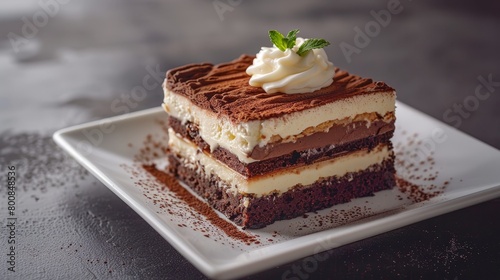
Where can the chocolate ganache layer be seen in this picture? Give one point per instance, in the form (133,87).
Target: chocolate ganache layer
(338,141)
(224,90)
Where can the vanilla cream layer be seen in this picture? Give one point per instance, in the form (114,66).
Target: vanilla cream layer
(280,181)
(241,138)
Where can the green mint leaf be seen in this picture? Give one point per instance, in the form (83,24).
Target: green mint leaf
(278,40)
(290,38)
(282,42)
(288,42)
(312,44)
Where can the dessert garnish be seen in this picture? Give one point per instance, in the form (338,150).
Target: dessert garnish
(292,65)
(288,42)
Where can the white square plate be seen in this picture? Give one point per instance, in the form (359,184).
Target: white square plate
(452,170)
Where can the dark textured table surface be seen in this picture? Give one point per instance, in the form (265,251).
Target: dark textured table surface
(66,62)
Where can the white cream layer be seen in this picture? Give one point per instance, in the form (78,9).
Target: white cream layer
(280,181)
(241,138)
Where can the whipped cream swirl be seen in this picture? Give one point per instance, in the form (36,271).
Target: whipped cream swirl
(287,72)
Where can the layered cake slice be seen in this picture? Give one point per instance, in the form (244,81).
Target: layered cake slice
(275,136)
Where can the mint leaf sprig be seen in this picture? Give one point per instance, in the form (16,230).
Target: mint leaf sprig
(310,44)
(288,42)
(282,42)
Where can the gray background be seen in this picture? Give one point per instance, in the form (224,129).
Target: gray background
(72,59)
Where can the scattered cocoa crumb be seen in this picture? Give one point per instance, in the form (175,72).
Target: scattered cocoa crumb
(199,206)
(154,146)
(415,192)
(333,218)
(416,182)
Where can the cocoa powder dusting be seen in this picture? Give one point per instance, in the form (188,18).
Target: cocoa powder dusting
(199,206)
(153,146)
(417,183)
(415,192)
(333,218)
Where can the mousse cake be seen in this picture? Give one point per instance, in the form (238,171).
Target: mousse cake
(262,139)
